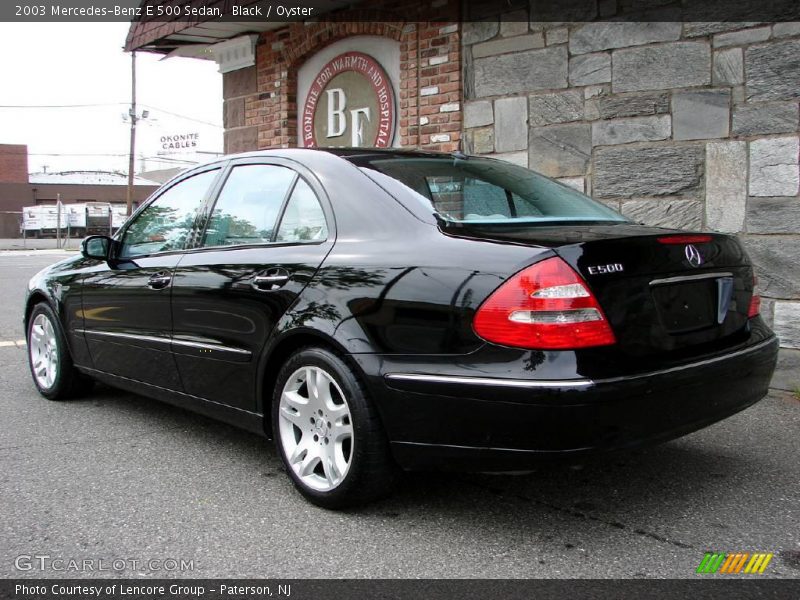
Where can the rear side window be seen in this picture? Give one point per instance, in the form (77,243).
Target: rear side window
(168,221)
(476,190)
(249,205)
(303,220)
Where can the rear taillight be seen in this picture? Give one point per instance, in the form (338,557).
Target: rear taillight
(546,306)
(755,300)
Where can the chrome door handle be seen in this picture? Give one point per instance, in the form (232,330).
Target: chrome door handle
(269,281)
(159,281)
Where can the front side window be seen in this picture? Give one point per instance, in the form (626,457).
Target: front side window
(168,221)
(248,206)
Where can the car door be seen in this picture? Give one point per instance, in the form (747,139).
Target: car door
(266,235)
(126,301)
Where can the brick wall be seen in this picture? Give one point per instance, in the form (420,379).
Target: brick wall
(691,125)
(261,102)
(433,71)
(13,163)
(14,188)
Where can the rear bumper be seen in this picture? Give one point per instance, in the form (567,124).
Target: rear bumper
(462,422)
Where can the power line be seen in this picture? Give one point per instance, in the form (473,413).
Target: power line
(151,107)
(93,154)
(168,160)
(160,156)
(62,154)
(70,154)
(61,105)
(157,158)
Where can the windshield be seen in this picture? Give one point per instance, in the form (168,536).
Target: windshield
(476,190)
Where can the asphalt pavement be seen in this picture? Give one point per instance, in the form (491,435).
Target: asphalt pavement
(116,476)
(31,244)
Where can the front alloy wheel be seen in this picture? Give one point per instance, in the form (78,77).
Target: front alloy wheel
(43,348)
(316,430)
(328,433)
(51,364)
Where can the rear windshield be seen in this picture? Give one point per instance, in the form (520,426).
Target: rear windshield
(477,190)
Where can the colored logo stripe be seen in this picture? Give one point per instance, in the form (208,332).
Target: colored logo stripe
(733,563)
(710,563)
(758,563)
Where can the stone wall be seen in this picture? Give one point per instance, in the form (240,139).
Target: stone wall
(690,125)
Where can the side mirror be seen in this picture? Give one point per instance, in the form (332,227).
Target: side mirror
(96,246)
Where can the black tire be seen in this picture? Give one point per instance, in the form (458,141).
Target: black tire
(68,381)
(372,472)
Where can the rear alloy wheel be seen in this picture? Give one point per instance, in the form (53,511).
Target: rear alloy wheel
(316,428)
(328,435)
(51,365)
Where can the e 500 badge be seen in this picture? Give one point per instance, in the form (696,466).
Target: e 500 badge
(602,269)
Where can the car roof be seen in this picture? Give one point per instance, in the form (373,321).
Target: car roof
(355,156)
(357,152)
(346,153)
(311,157)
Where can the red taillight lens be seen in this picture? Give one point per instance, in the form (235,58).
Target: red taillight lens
(755,300)
(546,306)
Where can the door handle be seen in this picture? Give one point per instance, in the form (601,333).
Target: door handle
(159,281)
(270,280)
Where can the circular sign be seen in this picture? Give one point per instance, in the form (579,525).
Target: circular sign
(350,103)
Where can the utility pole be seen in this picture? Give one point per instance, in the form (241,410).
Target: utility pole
(58,220)
(132,113)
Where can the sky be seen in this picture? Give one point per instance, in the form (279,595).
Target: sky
(83,63)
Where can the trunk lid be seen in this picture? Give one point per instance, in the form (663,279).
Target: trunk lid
(664,292)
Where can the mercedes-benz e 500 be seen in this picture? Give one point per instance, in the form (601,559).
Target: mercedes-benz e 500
(374,311)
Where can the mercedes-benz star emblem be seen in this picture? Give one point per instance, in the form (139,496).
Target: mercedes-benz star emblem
(693,255)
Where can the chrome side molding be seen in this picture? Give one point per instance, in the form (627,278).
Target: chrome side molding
(164,340)
(490,381)
(567,384)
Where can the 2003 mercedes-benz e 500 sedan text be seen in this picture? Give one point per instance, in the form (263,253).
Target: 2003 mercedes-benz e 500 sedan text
(375,311)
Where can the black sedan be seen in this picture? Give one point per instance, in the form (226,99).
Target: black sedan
(375,311)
